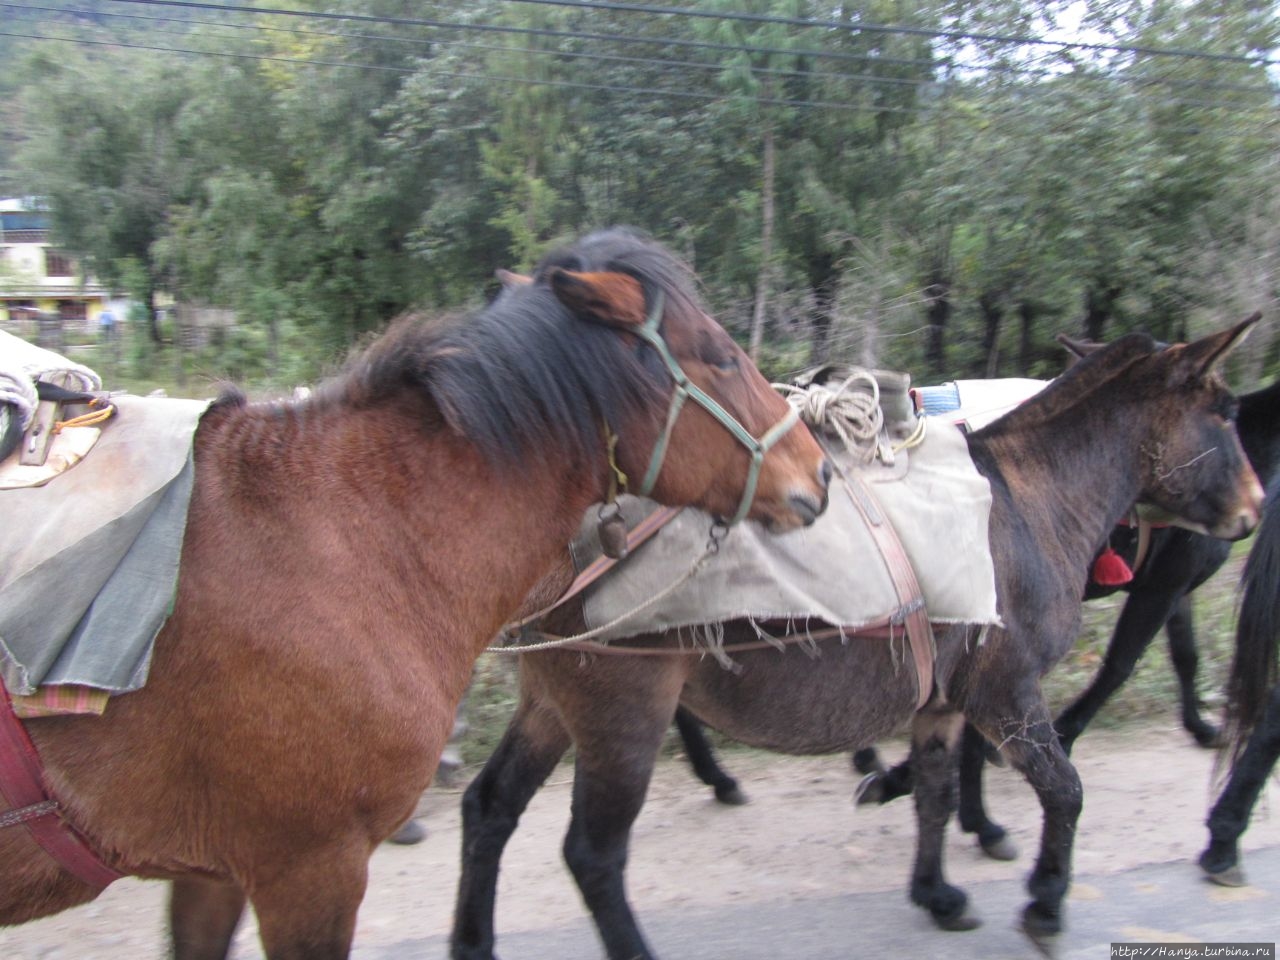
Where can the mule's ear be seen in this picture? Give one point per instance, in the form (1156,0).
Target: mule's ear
(614,299)
(1204,354)
(511,280)
(1079,348)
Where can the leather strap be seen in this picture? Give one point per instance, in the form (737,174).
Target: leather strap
(31,804)
(919,630)
(602,564)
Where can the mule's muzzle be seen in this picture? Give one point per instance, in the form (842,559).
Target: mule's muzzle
(1240,524)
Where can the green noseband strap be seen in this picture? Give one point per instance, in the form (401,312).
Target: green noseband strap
(686,390)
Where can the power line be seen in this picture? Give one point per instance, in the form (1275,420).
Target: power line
(760,18)
(527,81)
(487,77)
(666,63)
(942,86)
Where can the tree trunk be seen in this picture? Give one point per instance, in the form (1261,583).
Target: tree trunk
(766,246)
(938,296)
(823,281)
(1099,303)
(992,316)
(1026,342)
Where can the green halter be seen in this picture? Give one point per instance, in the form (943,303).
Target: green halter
(684,389)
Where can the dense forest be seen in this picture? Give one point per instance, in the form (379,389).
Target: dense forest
(938,187)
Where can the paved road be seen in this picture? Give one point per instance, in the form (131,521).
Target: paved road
(1162,903)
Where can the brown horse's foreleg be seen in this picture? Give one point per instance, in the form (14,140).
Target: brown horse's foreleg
(533,744)
(307,908)
(203,916)
(1027,738)
(935,735)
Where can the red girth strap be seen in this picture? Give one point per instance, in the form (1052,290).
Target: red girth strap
(34,807)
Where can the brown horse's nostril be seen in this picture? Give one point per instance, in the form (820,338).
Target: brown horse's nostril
(825,473)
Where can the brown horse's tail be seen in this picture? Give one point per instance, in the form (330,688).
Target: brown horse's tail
(1254,668)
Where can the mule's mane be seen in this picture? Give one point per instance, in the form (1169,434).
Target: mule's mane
(523,377)
(1078,383)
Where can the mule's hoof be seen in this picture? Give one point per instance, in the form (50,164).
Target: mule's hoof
(870,789)
(1042,930)
(1001,848)
(1232,876)
(731,795)
(958,924)
(410,832)
(1209,738)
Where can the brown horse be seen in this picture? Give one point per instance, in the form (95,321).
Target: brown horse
(1134,421)
(348,557)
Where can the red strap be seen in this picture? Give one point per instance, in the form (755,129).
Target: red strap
(22,787)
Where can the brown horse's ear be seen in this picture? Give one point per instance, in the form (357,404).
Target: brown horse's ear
(1207,352)
(511,280)
(1079,348)
(615,299)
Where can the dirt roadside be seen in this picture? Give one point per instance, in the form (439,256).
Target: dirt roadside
(1147,790)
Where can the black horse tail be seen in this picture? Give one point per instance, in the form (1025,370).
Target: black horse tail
(1254,668)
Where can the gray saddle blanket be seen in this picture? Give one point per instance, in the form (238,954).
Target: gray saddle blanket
(89,562)
(831,571)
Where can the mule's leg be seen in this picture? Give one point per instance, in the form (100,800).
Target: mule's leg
(617,741)
(1144,613)
(1230,815)
(532,745)
(203,916)
(867,760)
(1186,663)
(881,785)
(702,757)
(935,734)
(1028,739)
(992,837)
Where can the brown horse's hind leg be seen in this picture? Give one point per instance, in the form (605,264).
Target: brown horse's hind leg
(533,744)
(935,734)
(203,916)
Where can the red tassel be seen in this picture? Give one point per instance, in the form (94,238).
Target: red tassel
(1110,570)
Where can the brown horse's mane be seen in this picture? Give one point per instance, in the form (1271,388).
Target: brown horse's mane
(1076,384)
(523,377)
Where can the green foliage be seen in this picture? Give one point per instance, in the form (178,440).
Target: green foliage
(318,178)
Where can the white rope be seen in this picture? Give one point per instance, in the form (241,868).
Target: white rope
(551,644)
(849,409)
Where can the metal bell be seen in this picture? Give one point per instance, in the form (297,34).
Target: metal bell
(612,531)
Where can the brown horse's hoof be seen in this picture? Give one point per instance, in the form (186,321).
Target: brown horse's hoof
(1003,849)
(1232,876)
(410,832)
